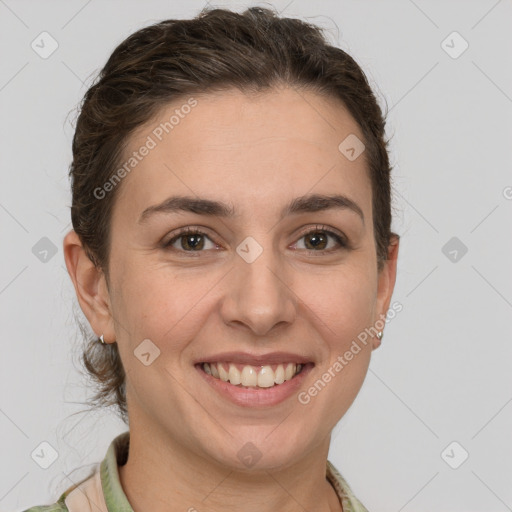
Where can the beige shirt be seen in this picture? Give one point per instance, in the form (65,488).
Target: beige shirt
(102,491)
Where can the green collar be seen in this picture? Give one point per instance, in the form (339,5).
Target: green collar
(117,453)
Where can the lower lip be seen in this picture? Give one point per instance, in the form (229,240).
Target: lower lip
(257,397)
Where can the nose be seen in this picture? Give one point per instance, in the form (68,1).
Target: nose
(259,296)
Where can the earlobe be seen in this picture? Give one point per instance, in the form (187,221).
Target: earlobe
(90,287)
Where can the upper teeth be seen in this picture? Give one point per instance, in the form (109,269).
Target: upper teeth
(261,376)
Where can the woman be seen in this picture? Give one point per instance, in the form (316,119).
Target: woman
(232,251)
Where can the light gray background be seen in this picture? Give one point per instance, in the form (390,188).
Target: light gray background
(442,373)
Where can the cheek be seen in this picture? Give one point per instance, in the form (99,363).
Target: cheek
(154,303)
(344,303)
(344,310)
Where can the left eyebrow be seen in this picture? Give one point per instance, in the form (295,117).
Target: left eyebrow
(203,206)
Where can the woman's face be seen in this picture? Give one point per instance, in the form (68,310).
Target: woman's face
(253,284)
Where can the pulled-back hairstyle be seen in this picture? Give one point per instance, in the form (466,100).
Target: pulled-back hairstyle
(218,50)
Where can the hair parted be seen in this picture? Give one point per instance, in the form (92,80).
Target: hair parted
(218,50)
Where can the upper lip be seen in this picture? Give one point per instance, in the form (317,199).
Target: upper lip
(255,359)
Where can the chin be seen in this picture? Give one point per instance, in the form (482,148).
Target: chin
(261,449)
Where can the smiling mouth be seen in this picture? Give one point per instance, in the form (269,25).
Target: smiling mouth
(248,376)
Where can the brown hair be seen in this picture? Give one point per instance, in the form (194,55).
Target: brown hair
(218,50)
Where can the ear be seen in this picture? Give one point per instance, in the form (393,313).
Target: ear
(386,283)
(90,287)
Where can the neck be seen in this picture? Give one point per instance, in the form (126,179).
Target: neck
(161,475)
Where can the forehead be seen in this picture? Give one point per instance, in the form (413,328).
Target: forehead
(246,149)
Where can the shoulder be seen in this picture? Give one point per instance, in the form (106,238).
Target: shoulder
(87,495)
(60,506)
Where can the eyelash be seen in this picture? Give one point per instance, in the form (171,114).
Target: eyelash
(338,237)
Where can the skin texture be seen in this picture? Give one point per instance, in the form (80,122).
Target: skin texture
(257,153)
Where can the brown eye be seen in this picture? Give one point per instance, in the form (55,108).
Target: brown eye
(317,239)
(192,242)
(189,240)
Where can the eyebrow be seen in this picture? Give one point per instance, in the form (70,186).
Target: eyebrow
(201,206)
